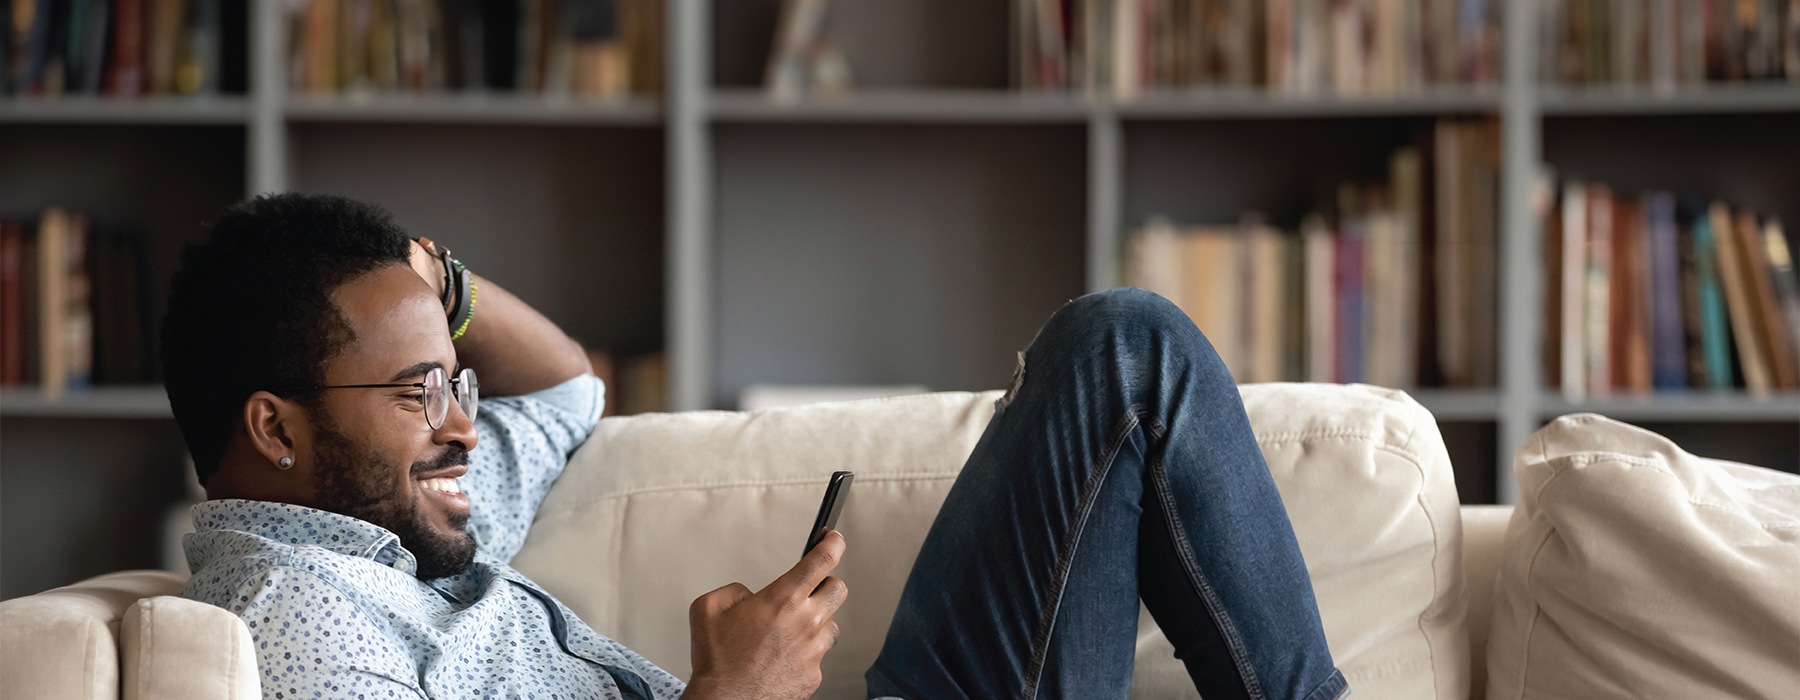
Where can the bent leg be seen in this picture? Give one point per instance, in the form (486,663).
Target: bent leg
(1122,466)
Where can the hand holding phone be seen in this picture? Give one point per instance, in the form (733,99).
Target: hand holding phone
(769,644)
(835,492)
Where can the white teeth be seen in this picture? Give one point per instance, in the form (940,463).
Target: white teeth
(444,484)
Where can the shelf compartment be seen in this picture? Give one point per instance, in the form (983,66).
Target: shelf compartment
(858,254)
(568,218)
(475,108)
(223,109)
(134,401)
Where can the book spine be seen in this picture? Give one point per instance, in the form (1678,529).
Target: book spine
(1770,328)
(1320,299)
(1787,286)
(1714,319)
(1574,285)
(53,279)
(1665,286)
(1597,314)
(12,322)
(1739,303)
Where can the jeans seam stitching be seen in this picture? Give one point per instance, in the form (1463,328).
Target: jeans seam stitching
(1090,491)
(1184,553)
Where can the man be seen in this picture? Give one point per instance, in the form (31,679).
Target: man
(365,499)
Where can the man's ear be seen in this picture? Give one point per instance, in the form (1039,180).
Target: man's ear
(272,423)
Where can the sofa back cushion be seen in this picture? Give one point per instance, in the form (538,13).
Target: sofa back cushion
(1632,569)
(656,510)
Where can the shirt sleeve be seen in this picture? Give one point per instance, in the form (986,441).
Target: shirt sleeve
(313,642)
(525,441)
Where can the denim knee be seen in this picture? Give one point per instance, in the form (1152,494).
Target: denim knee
(1123,312)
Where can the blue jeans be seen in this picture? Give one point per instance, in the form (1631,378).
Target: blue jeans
(1120,467)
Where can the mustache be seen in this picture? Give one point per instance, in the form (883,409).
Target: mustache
(451,457)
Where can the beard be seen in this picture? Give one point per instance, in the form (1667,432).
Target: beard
(362,487)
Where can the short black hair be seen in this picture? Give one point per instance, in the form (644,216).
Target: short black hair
(250,309)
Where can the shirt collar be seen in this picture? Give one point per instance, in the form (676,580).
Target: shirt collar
(297,526)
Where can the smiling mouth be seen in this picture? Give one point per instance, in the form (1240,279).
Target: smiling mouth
(446,492)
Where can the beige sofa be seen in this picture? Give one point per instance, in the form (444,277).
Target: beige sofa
(656,509)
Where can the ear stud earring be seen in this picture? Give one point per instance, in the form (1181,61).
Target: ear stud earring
(285,463)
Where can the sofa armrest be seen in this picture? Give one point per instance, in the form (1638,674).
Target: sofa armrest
(172,647)
(63,643)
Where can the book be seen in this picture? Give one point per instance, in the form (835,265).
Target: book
(1668,346)
(1739,302)
(1349,282)
(163,44)
(12,321)
(1321,293)
(1771,329)
(801,26)
(1574,291)
(1630,344)
(1714,317)
(1787,287)
(1597,316)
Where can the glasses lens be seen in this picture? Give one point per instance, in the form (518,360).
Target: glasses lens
(468,392)
(437,400)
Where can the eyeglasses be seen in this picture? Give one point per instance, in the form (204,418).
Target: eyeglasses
(432,393)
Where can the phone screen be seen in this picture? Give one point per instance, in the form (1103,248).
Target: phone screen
(829,508)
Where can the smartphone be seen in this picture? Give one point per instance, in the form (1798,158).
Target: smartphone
(835,493)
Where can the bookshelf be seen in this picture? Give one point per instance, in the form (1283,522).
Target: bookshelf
(916,230)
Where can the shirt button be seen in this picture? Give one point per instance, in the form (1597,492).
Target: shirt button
(402,565)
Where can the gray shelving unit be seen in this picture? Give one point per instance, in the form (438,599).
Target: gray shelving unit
(915,232)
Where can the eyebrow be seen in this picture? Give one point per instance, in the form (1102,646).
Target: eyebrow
(416,370)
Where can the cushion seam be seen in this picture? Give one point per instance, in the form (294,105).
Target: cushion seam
(87,663)
(146,631)
(231,687)
(751,483)
(1537,611)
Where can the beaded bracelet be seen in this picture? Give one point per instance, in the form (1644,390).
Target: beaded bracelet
(464,312)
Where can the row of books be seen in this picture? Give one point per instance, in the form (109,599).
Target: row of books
(1654,293)
(1395,287)
(1665,43)
(74,303)
(121,48)
(1342,47)
(595,49)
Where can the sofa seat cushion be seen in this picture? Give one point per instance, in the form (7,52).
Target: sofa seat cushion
(656,510)
(1632,569)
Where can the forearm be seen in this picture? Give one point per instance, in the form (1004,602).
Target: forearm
(513,348)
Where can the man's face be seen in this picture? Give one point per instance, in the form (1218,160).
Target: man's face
(374,455)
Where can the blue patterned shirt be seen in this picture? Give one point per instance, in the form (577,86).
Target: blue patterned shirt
(335,612)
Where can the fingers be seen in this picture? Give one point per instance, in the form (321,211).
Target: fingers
(801,580)
(831,593)
(718,600)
